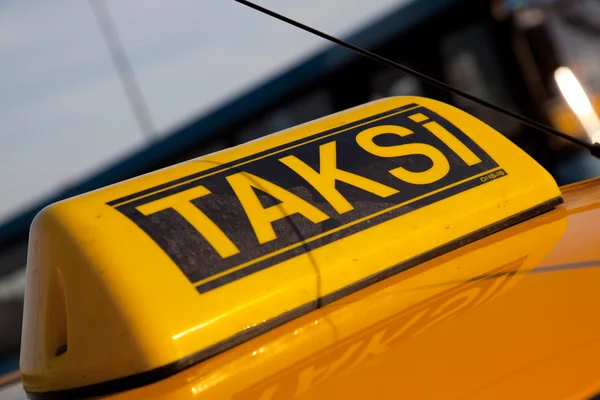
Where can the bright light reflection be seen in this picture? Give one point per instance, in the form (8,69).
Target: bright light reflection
(579,102)
(229,313)
(198,389)
(208,382)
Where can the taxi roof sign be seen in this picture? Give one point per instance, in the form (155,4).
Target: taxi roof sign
(134,282)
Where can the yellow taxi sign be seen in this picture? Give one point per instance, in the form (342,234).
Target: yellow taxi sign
(133,282)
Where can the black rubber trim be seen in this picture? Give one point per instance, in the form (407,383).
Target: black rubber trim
(157,374)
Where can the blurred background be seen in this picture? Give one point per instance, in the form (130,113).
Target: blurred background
(97,91)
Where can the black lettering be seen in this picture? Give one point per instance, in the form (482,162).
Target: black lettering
(230,221)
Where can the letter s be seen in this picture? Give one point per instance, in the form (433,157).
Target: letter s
(438,170)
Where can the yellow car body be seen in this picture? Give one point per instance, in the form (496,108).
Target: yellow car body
(513,315)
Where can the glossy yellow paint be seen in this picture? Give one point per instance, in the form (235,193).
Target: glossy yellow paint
(513,315)
(104,300)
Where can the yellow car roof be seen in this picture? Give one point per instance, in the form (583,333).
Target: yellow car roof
(513,315)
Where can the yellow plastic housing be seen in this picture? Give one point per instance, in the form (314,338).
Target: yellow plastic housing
(136,281)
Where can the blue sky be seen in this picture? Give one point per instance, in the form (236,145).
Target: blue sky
(63,113)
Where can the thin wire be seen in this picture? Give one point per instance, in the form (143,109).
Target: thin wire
(124,69)
(594,149)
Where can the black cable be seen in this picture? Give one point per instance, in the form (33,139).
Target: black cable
(593,148)
(124,69)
